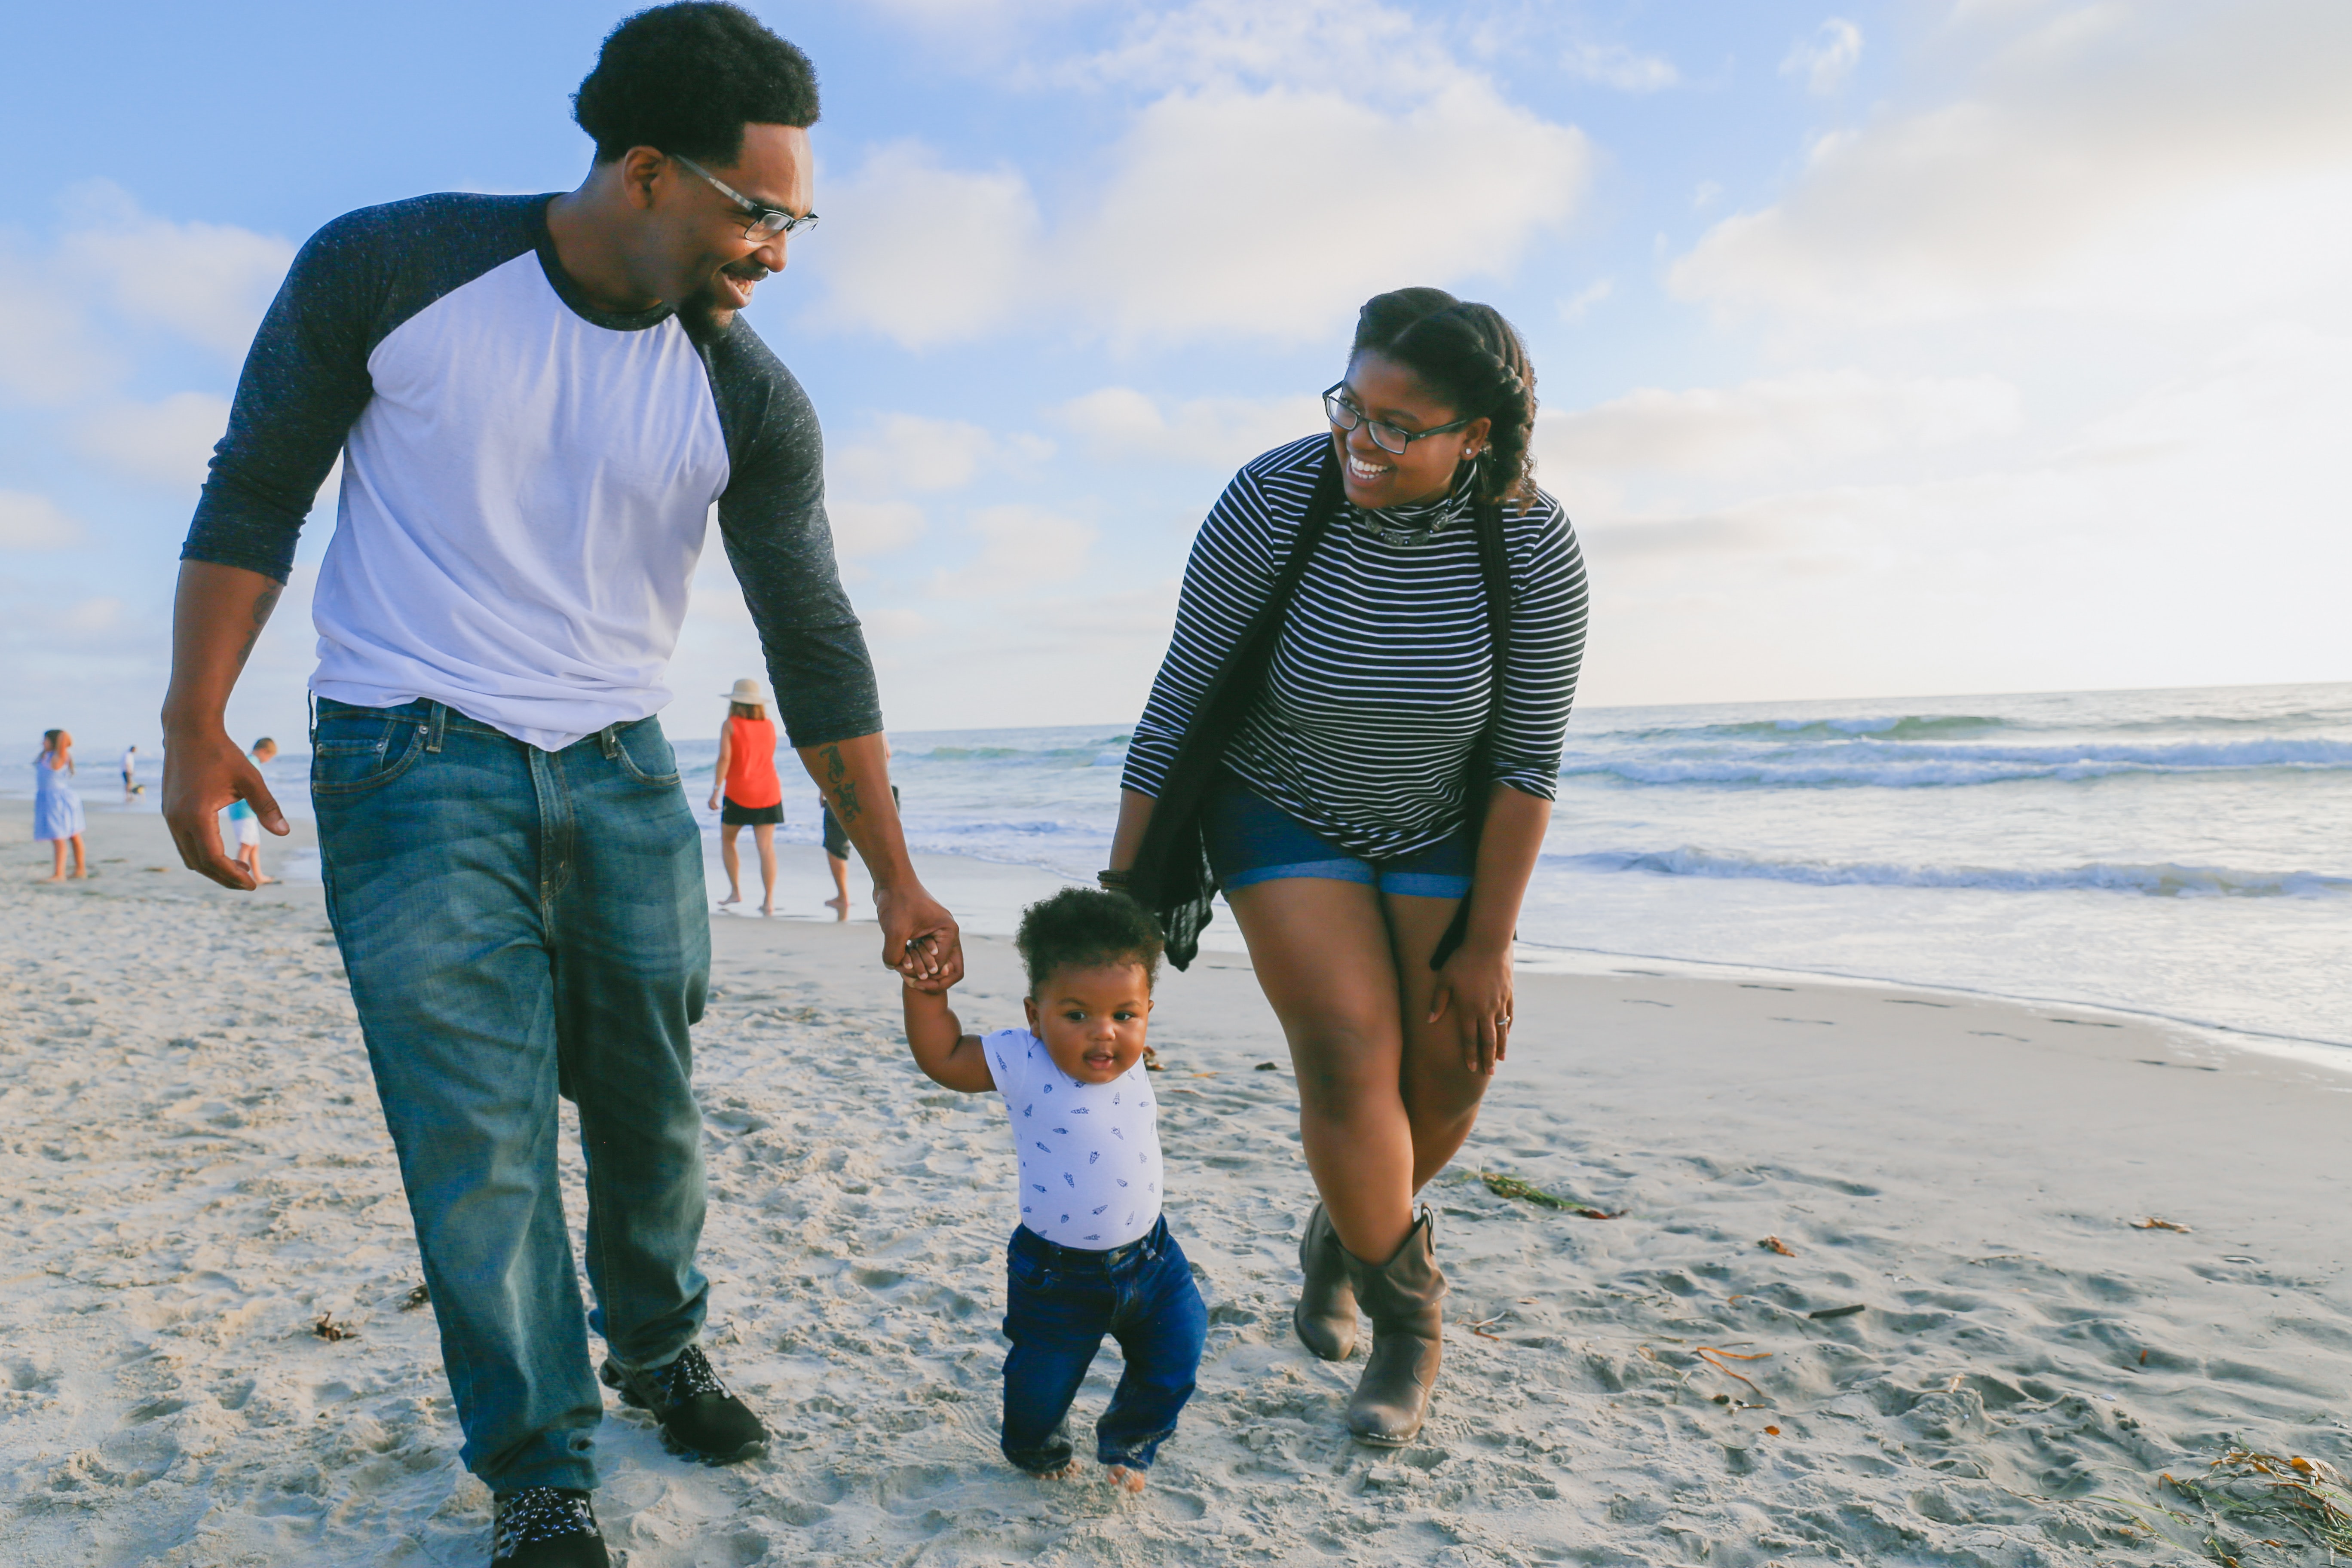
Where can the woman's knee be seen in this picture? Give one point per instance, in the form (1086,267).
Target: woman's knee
(1341,1064)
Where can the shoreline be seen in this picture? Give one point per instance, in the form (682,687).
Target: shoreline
(987,896)
(200,1173)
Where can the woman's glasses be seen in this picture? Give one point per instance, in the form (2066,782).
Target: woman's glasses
(1390,439)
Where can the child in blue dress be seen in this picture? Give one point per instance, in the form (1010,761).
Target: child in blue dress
(1092,1255)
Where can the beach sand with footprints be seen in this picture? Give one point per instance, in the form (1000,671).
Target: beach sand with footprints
(1882,1281)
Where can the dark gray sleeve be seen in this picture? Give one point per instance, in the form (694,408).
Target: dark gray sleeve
(771,518)
(306,376)
(305,379)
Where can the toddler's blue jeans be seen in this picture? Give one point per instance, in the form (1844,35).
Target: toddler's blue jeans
(1060,1302)
(520,923)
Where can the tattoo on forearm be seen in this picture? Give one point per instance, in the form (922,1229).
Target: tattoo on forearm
(836,770)
(845,802)
(265,603)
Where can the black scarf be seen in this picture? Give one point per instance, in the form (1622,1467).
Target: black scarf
(1171,876)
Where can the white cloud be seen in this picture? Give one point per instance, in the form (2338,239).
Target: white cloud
(1773,427)
(1119,423)
(1826,59)
(906,451)
(1237,210)
(166,442)
(862,527)
(1234,202)
(1020,548)
(1574,309)
(30,522)
(2151,165)
(1614,65)
(2188,537)
(45,356)
(923,254)
(209,282)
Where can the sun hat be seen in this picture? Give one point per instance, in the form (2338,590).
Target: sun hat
(747,690)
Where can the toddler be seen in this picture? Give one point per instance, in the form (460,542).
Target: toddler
(1092,1255)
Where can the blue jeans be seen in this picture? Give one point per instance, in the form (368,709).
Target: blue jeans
(1060,1302)
(520,924)
(1251,839)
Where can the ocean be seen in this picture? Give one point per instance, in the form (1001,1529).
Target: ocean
(2186,853)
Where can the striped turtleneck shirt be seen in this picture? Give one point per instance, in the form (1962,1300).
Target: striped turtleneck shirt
(1382,676)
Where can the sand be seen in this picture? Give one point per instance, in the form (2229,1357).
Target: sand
(193,1175)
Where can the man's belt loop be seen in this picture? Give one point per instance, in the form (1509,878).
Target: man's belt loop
(609,737)
(436,726)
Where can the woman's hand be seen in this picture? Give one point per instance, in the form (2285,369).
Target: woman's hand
(1475,986)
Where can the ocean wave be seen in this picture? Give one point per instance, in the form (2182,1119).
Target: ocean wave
(2165,880)
(1865,762)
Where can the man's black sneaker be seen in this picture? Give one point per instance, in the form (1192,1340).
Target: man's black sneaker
(699,1418)
(547,1527)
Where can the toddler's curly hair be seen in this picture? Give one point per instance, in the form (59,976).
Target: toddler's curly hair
(1084,928)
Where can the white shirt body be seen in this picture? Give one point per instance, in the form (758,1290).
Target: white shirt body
(524,498)
(1089,1153)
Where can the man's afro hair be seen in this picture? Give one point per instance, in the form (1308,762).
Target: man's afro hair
(1085,927)
(687,78)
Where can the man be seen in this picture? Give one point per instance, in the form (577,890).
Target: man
(537,400)
(131,785)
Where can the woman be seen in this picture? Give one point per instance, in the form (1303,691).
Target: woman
(1329,742)
(57,809)
(746,777)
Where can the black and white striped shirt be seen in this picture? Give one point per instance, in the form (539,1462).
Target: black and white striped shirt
(1381,682)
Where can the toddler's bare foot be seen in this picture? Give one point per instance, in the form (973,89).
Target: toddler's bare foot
(1125,1478)
(1068,1472)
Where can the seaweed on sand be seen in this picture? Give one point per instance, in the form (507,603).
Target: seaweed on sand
(2264,1496)
(1504,1186)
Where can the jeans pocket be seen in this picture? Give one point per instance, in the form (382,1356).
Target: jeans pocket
(644,754)
(345,762)
(1027,1274)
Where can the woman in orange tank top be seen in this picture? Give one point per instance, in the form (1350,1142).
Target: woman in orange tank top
(746,779)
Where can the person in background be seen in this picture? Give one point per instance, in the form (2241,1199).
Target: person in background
(745,778)
(57,809)
(836,850)
(131,784)
(245,825)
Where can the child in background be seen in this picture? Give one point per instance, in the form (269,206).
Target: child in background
(1092,1255)
(244,825)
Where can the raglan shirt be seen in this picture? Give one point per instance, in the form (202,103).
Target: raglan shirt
(527,481)
(1088,1153)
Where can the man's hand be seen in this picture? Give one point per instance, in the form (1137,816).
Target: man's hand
(919,938)
(215,620)
(202,775)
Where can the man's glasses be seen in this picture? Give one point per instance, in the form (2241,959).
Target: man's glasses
(759,222)
(1390,439)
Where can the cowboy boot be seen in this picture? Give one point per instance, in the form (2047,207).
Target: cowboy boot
(1402,1297)
(1325,1316)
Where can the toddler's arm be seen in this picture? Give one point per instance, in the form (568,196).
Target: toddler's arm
(949,1056)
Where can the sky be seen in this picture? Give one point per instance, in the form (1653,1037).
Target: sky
(1896,349)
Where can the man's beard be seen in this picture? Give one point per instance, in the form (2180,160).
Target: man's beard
(707,313)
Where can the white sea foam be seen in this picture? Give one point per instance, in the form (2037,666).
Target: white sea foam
(2170,881)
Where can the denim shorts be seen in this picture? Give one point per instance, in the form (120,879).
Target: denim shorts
(1251,839)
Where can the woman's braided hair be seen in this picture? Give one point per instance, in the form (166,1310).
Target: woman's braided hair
(1473,358)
